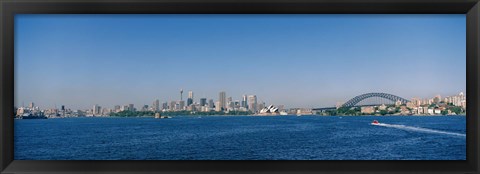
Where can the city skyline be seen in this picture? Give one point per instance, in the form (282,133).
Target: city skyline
(293,60)
(248,102)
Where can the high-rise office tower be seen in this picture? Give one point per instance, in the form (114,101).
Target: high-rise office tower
(31,105)
(252,103)
(172,105)
(181,105)
(190,98)
(222,98)
(181,94)
(156,105)
(211,104)
(63,110)
(125,108)
(229,103)
(244,102)
(131,107)
(165,106)
(117,108)
(217,106)
(96,110)
(203,101)
(190,94)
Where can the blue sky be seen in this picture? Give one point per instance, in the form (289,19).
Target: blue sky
(295,60)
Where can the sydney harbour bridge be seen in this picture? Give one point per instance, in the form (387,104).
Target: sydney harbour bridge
(369,99)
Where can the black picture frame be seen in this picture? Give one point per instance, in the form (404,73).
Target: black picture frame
(9,8)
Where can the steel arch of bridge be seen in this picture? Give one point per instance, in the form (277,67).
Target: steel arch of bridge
(352,102)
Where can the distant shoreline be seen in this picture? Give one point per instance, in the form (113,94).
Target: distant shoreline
(196,116)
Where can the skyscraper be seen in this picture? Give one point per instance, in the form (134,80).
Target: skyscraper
(181,105)
(165,106)
(190,98)
(211,104)
(203,101)
(181,94)
(96,110)
(217,106)
(156,105)
(131,107)
(244,102)
(172,105)
(190,94)
(31,105)
(252,103)
(229,103)
(222,100)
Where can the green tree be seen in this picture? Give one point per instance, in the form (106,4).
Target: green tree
(383,112)
(444,112)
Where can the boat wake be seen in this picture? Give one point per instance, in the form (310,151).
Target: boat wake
(418,129)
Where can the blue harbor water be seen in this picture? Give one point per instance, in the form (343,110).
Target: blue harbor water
(242,138)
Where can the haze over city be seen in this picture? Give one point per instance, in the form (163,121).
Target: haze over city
(291,60)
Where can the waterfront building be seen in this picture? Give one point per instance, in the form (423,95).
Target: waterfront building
(21,111)
(144,108)
(125,108)
(416,101)
(367,109)
(205,109)
(190,94)
(252,103)
(217,106)
(425,110)
(181,94)
(131,107)
(96,110)
(156,105)
(437,111)
(172,105)
(404,110)
(189,101)
(410,105)
(437,99)
(181,104)
(203,101)
(191,108)
(222,97)
(430,111)
(117,108)
(64,112)
(105,111)
(244,101)
(420,110)
(236,105)
(398,103)
(32,105)
(211,105)
(229,103)
(190,98)
(164,106)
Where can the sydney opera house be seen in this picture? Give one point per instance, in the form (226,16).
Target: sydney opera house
(270,110)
